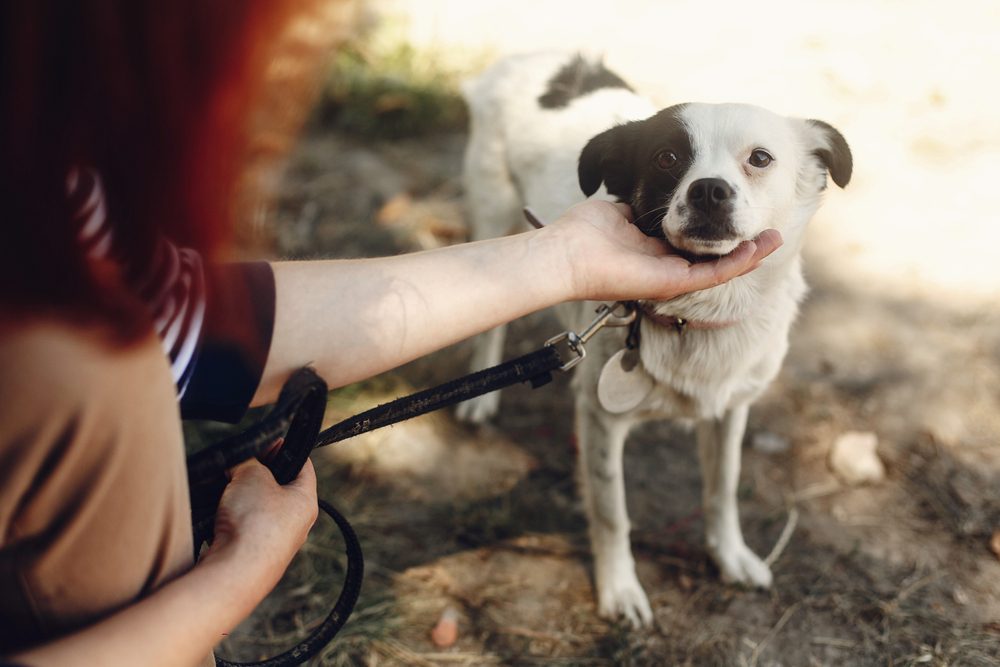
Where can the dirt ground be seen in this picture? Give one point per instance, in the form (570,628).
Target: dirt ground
(487,522)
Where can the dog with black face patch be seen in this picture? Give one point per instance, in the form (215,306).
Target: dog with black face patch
(643,163)
(549,129)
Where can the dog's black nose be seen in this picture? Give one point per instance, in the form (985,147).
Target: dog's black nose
(706,194)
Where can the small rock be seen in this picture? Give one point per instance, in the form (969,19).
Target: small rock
(854,459)
(769,443)
(995,542)
(947,427)
(445,633)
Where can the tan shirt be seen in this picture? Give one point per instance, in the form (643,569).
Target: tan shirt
(94,510)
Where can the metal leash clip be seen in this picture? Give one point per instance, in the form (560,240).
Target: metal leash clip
(606,317)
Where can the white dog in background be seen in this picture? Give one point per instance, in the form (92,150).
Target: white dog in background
(548,129)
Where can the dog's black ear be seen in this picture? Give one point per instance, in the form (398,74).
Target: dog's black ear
(833,152)
(604,159)
(590,169)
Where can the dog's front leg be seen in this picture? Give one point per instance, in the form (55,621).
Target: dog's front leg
(719,443)
(601,440)
(487,352)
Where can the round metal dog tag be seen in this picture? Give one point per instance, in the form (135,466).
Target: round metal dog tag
(623,383)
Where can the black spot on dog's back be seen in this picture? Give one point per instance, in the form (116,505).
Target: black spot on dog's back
(577,78)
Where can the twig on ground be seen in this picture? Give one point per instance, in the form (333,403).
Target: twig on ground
(891,606)
(836,642)
(559,638)
(786,534)
(772,633)
(818,490)
(397,650)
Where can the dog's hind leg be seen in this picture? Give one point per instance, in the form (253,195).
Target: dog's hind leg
(494,206)
(601,439)
(719,443)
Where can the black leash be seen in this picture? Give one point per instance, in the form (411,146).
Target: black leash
(535,368)
(297,417)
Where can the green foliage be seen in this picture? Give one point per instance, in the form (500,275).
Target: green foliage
(390,91)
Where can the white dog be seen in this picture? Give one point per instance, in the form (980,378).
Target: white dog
(703,177)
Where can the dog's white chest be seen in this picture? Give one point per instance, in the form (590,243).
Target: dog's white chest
(703,378)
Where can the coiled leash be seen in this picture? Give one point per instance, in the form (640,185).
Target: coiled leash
(297,416)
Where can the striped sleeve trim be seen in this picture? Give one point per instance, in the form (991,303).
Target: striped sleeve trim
(171,284)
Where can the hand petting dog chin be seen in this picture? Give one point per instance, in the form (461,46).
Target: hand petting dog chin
(608,258)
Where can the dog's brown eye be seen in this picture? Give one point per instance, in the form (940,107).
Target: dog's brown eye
(760,158)
(666,159)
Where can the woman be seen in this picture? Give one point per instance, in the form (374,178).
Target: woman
(124,130)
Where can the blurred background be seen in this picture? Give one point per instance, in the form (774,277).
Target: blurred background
(898,344)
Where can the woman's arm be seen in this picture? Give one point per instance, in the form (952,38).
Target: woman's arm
(353,319)
(259,527)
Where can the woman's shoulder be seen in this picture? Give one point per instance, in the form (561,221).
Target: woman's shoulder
(50,347)
(47,361)
(69,394)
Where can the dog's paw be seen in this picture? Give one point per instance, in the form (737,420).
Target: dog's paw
(740,565)
(479,410)
(621,595)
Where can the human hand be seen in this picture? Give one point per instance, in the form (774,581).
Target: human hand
(608,258)
(262,524)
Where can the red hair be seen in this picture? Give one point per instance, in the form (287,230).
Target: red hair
(153,95)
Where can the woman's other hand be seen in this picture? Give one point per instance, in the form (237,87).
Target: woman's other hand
(263,524)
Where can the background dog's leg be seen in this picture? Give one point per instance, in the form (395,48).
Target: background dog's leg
(719,443)
(494,206)
(602,441)
(487,351)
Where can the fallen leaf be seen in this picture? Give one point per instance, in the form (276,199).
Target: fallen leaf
(393,211)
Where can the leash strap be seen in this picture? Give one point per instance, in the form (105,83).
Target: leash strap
(535,367)
(325,632)
(297,417)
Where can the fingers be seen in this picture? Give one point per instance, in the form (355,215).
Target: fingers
(709,274)
(735,262)
(747,257)
(306,480)
(272,449)
(767,242)
(250,467)
(274,520)
(254,470)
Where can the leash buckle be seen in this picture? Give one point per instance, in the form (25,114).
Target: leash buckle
(574,342)
(606,317)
